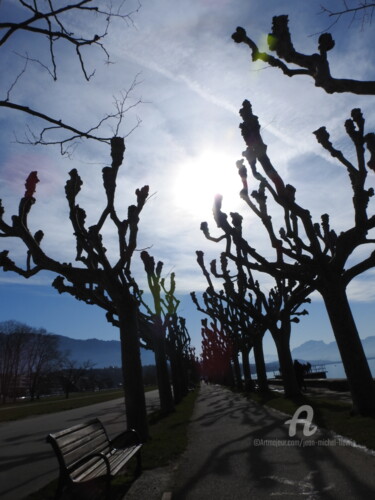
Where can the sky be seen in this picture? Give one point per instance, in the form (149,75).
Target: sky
(191,81)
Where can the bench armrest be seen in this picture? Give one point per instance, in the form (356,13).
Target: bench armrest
(86,458)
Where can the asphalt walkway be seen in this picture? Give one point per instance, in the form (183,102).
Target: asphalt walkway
(28,463)
(240,450)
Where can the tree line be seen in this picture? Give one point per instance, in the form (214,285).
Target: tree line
(33,365)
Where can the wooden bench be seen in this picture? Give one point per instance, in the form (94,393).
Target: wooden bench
(87,456)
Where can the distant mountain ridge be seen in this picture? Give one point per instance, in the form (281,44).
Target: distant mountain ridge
(108,353)
(319,352)
(314,350)
(102,353)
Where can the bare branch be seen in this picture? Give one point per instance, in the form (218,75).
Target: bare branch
(55,24)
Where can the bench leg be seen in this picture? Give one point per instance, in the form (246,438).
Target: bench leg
(138,469)
(60,488)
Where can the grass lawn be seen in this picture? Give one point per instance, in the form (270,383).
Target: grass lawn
(26,408)
(328,414)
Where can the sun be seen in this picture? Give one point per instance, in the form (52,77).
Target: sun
(200,178)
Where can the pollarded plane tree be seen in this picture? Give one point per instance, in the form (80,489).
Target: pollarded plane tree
(49,29)
(312,254)
(99,279)
(159,318)
(314,65)
(227,307)
(224,351)
(217,353)
(180,354)
(282,306)
(274,310)
(221,308)
(322,259)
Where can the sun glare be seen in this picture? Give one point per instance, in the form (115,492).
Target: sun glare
(200,178)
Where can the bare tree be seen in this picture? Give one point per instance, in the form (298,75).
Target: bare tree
(71,372)
(230,324)
(217,353)
(312,254)
(95,280)
(160,316)
(222,308)
(54,23)
(14,338)
(41,358)
(314,65)
(250,310)
(180,354)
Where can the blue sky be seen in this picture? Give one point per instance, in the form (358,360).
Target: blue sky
(192,81)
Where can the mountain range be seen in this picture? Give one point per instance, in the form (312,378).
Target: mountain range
(313,350)
(107,352)
(102,353)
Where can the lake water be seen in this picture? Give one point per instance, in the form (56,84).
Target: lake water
(336,370)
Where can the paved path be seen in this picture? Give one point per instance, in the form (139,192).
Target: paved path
(239,450)
(28,463)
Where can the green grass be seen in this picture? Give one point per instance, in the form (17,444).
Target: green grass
(168,435)
(168,439)
(328,413)
(25,408)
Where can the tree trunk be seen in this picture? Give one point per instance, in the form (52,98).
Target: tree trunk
(248,382)
(176,371)
(260,364)
(360,381)
(281,338)
(237,371)
(162,372)
(135,402)
(184,370)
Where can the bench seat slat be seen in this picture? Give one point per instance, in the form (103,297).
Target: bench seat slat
(97,467)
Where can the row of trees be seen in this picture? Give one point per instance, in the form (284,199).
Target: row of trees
(308,256)
(96,277)
(109,284)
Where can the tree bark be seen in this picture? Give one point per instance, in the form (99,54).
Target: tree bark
(260,364)
(360,380)
(237,379)
(288,374)
(177,381)
(135,402)
(248,382)
(162,372)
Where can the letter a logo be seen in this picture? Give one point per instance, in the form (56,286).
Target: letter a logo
(308,428)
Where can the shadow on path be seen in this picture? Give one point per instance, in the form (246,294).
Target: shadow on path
(239,449)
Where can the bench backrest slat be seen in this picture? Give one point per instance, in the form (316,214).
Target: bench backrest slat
(78,441)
